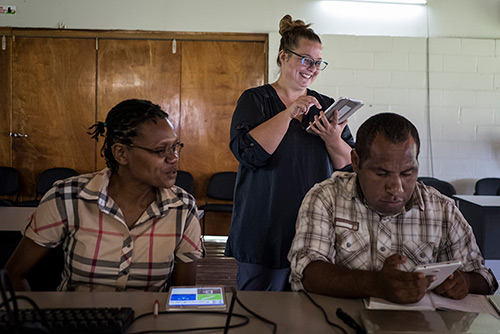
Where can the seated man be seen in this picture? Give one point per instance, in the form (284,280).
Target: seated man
(359,234)
(126,227)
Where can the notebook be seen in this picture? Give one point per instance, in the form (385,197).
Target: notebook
(432,301)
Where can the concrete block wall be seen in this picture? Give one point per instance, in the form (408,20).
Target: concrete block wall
(458,117)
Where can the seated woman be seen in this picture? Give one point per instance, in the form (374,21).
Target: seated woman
(126,227)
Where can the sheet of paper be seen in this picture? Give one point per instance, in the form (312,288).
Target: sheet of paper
(425,304)
(471,303)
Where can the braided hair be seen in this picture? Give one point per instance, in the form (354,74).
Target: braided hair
(122,124)
(291,31)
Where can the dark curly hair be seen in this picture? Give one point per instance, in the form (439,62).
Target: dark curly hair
(393,127)
(122,123)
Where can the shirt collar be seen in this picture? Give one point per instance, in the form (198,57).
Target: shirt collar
(97,190)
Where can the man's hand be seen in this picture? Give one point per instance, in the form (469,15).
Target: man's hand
(400,286)
(455,286)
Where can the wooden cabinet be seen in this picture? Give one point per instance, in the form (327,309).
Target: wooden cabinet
(53,103)
(57,83)
(214,74)
(143,69)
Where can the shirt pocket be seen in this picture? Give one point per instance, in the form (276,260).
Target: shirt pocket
(418,252)
(350,246)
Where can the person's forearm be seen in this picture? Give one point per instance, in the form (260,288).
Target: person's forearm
(340,154)
(19,283)
(270,133)
(184,273)
(332,280)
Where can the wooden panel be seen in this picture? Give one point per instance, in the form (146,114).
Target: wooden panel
(135,34)
(214,74)
(53,104)
(5,102)
(144,69)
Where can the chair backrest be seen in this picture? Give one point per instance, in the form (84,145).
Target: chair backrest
(51,175)
(185,180)
(443,187)
(221,186)
(9,181)
(9,185)
(487,186)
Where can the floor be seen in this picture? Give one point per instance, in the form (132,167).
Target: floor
(215,268)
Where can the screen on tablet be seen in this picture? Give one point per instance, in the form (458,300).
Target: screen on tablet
(195,297)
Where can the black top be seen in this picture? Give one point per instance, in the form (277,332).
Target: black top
(269,188)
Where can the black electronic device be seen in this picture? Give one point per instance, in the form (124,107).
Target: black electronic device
(97,320)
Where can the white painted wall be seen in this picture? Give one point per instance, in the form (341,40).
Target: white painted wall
(377,53)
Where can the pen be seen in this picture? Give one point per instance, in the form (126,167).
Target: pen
(155,309)
(346,318)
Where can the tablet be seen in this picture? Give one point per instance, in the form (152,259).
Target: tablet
(196,298)
(441,270)
(346,108)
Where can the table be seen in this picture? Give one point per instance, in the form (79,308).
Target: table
(12,222)
(14,218)
(483,214)
(292,311)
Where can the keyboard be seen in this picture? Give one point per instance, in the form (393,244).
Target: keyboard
(98,320)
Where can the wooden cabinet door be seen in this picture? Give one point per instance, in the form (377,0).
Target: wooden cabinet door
(53,105)
(5,102)
(214,74)
(143,69)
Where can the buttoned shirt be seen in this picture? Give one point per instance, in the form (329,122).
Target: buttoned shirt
(101,252)
(336,225)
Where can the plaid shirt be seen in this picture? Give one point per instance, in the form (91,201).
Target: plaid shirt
(101,252)
(335,225)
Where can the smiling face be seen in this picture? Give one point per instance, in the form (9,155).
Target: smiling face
(291,65)
(146,167)
(388,177)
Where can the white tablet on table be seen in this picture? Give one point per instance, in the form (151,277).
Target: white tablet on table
(196,298)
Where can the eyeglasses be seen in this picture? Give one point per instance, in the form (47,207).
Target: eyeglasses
(308,61)
(164,151)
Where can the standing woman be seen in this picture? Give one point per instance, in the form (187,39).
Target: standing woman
(279,160)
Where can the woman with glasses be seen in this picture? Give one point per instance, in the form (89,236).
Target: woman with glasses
(126,227)
(278,160)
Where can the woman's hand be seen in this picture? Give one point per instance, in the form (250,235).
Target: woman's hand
(302,105)
(331,134)
(328,131)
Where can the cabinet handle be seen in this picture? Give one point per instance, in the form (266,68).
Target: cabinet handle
(16,135)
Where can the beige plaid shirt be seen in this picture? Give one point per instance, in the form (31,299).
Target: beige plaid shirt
(101,252)
(335,225)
